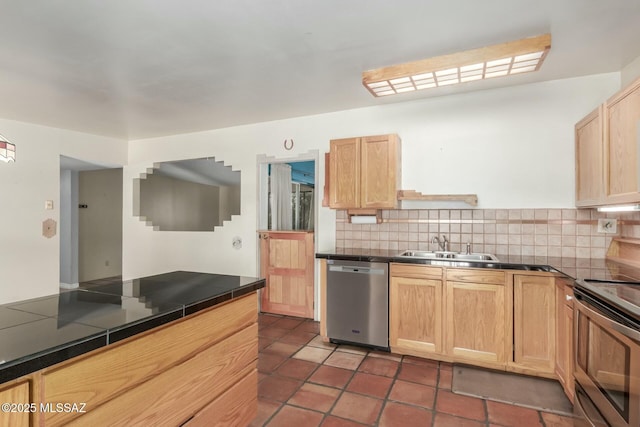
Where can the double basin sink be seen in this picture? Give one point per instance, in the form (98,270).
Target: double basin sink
(449,255)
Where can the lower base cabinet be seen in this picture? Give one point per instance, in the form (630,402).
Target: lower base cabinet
(415,315)
(534,322)
(475,326)
(500,319)
(564,337)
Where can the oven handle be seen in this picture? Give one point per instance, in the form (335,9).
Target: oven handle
(625,330)
(592,417)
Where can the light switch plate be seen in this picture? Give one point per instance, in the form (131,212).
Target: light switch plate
(48,204)
(607,225)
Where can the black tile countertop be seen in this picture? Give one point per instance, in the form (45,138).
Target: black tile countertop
(40,332)
(577,268)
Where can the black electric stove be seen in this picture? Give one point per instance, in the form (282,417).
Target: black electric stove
(622,296)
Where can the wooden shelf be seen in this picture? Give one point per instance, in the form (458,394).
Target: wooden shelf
(470,199)
(625,251)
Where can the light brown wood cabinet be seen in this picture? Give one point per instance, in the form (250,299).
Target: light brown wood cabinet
(200,370)
(534,325)
(607,149)
(564,336)
(621,141)
(590,160)
(476,315)
(364,172)
(416,306)
(502,319)
(16,393)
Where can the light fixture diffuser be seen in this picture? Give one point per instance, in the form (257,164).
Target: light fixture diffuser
(7,150)
(516,57)
(619,208)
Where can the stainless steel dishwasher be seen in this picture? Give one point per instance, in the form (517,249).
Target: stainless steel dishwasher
(358,302)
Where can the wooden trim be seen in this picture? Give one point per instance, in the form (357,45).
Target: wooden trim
(470,199)
(327,180)
(323,298)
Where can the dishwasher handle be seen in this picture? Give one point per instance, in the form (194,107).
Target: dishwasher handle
(355,269)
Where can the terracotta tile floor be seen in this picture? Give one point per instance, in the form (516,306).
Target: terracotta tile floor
(305,382)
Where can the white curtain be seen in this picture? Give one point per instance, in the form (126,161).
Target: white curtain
(281,208)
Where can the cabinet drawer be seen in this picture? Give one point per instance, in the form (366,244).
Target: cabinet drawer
(99,377)
(416,271)
(471,275)
(174,396)
(236,407)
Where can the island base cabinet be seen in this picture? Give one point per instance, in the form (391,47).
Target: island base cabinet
(236,407)
(19,394)
(475,322)
(174,396)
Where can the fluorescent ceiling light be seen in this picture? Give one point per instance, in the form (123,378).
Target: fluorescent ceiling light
(504,59)
(621,208)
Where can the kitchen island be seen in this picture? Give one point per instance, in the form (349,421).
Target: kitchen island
(174,349)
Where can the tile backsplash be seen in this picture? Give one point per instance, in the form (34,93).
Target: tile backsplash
(539,232)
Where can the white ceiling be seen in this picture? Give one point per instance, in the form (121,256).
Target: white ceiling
(141,68)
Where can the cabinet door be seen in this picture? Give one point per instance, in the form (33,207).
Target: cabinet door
(18,394)
(344,173)
(475,322)
(621,146)
(415,315)
(286,261)
(569,385)
(380,172)
(562,369)
(589,160)
(534,312)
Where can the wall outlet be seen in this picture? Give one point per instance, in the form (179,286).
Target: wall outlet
(607,225)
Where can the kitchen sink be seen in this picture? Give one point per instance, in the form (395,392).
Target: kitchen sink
(449,255)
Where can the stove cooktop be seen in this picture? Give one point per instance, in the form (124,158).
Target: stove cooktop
(624,295)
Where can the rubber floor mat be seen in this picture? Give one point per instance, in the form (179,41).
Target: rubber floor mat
(538,393)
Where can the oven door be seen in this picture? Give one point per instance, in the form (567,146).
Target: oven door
(607,362)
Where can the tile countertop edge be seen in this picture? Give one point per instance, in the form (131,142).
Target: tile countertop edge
(22,366)
(569,267)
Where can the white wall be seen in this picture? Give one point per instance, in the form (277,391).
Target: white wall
(511,146)
(630,72)
(68,229)
(30,263)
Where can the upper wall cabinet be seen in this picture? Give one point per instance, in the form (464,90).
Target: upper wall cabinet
(365,172)
(589,160)
(607,151)
(621,140)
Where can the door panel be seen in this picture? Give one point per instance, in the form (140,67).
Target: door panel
(286,261)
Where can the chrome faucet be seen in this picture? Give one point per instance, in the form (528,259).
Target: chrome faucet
(442,244)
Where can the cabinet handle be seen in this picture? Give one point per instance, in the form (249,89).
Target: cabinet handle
(568,297)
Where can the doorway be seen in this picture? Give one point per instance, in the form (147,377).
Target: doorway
(287,200)
(90,222)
